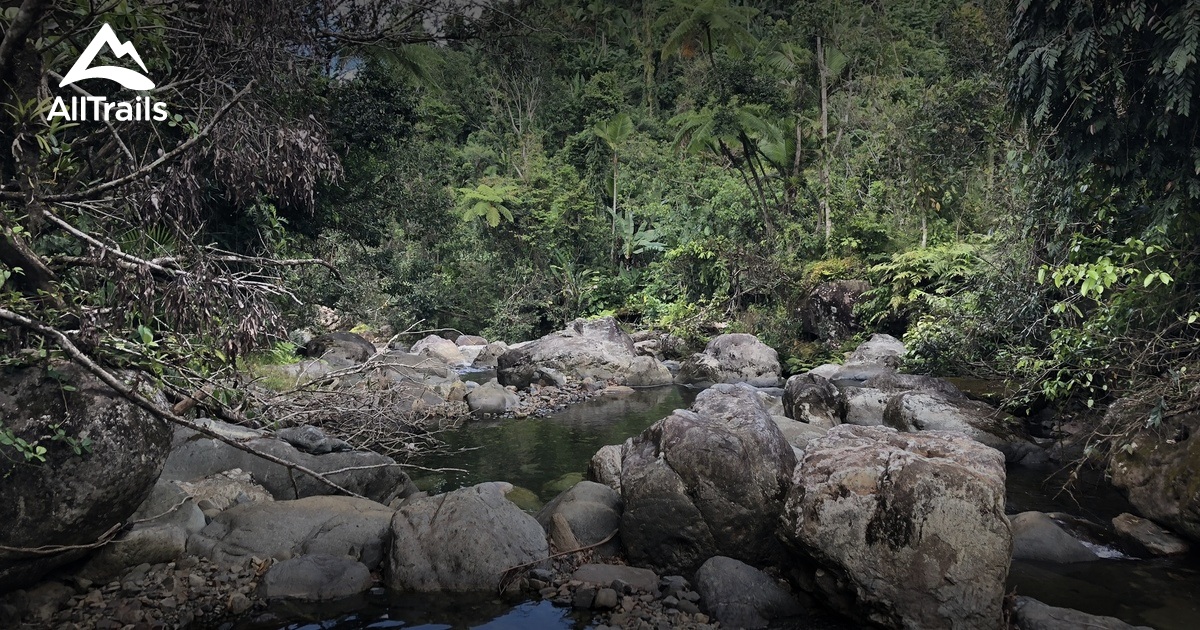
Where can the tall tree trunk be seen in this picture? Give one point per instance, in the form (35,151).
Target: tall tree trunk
(823,73)
(613,251)
(650,97)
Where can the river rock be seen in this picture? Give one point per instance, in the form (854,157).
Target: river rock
(706,481)
(827,313)
(648,372)
(605,466)
(798,434)
(643,580)
(70,499)
(492,398)
(733,358)
(813,399)
(880,350)
(741,596)
(865,406)
(902,530)
(930,411)
(439,348)
(489,356)
(1147,538)
(461,541)
(597,348)
(470,340)
(591,510)
(339,526)
(340,349)
(315,577)
(224,489)
(1030,614)
(194,456)
(312,440)
(1038,537)
(1160,469)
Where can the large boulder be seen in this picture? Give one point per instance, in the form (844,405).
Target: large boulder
(462,541)
(733,358)
(1038,537)
(337,526)
(797,433)
(902,530)
(931,411)
(470,340)
(741,596)
(865,405)
(489,356)
(605,466)
(315,577)
(340,348)
(1159,468)
(596,349)
(492,398)
(439,348)
(706,481)
(880,350)
(1030,614)
(813,399)
(591,511)
(648,372)
(70,499)
(194,456)
(1145,538)
(827,313)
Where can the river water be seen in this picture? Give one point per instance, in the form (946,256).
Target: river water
(543,456)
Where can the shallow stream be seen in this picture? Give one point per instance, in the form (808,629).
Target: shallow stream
(544,456)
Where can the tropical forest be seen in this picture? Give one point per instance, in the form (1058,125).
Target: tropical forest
(638,314)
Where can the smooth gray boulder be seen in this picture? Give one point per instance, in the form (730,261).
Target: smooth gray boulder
(591,510)
(914,411)
(339,526)
(901,530)
(315,577)
(1030,614)
(733,358)
(643,580)
(813,399)
(880,350)
(470,340)
(70,499)
(596,349)
(865,406)
(194,456)
(492,398)
(605,466)
(439,348)
(462,541)
(741,596)
(648,372)
(312,440)
(706,481)
(340,349)
(1147,538)
(798,434)
(1038,537)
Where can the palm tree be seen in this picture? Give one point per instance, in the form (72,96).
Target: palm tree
(705,25)
(614,132)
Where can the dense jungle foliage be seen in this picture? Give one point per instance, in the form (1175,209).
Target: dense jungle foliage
(1017,180)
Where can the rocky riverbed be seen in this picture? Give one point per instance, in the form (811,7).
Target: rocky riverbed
(852,490)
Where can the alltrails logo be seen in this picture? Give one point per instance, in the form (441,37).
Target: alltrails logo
(84,108)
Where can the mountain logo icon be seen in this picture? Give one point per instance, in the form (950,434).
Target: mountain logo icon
(130,79)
